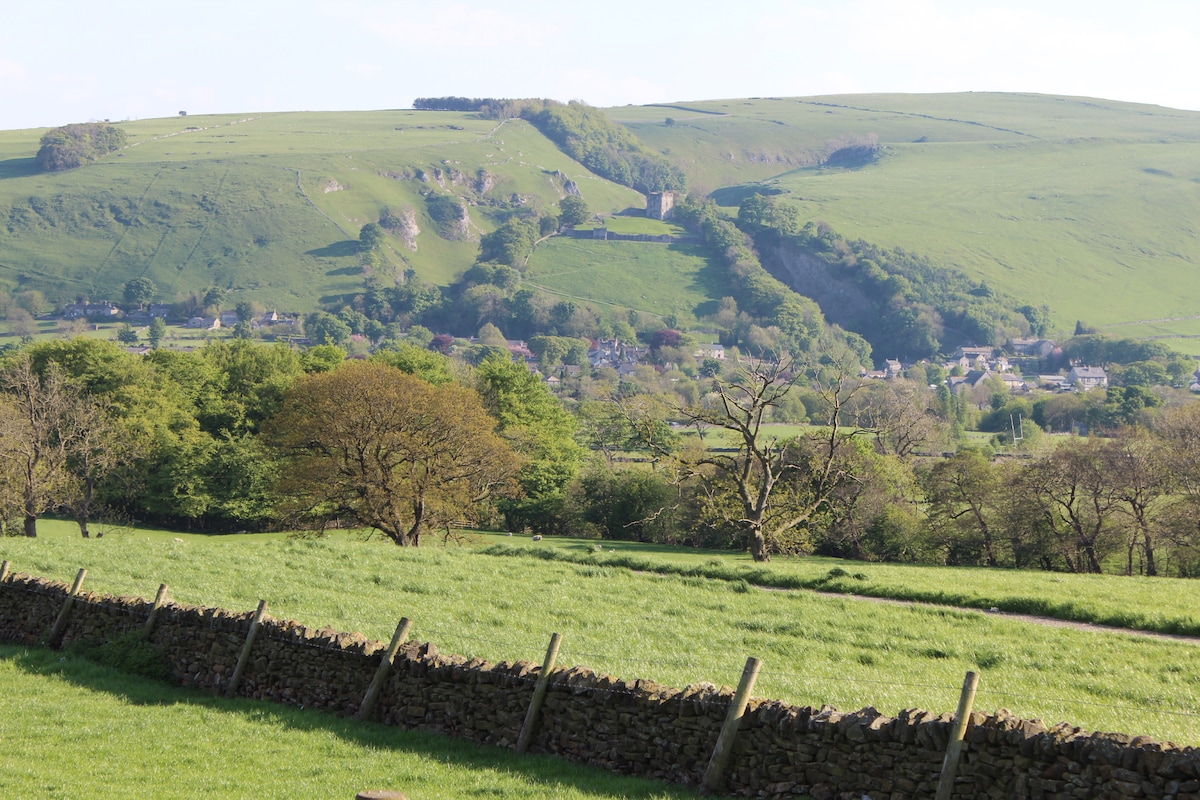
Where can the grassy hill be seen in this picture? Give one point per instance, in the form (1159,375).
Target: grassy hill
(1086,205)
(270,206)
(1089,206)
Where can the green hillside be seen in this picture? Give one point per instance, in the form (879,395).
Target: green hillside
(270,206)
(660,279)
(1088,206)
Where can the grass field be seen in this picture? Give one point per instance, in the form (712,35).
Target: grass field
(74,729)
(660,279)
(684,628)
(1086,205)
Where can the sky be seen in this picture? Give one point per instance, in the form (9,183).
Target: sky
(74,61)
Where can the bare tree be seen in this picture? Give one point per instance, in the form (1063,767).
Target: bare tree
(1078,501)
(772,490)
(38,427)
(98,447)
(902,417)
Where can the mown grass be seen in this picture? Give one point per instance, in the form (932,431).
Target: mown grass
(680,618)
(73,728)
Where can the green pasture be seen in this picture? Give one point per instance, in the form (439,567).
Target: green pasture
(1085,205)
(633,224)
(1082,227)
(657,278)
(73,728)
(678,625)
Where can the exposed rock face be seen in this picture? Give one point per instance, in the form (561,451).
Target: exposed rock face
(484,181)
(841,301)
(629,726)
(408,230)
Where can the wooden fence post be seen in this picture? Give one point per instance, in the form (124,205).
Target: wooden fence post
(60,624)
(159,599)
(231,689)
(539,695)
(715,774)
(954,748)
(385,666)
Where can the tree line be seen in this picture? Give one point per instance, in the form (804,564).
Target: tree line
(242,436)
(584,133)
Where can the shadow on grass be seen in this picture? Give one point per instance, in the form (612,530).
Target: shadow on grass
(18,168)
(553,774)
(342,249)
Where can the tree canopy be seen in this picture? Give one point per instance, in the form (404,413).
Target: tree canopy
(372,446)
(74,145)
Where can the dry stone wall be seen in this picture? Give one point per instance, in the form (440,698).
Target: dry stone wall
(636,726)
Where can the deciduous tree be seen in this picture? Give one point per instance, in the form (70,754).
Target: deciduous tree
(373,446)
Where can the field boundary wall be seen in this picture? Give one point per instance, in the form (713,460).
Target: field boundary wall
(628,726)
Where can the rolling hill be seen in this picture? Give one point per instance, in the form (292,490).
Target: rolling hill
(270,206)
(1087,206)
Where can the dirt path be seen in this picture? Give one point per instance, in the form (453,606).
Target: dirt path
(1052,622)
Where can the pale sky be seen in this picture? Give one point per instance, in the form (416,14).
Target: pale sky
(74,61)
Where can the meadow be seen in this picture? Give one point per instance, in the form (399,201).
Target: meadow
(694,617)
(1085,205)
(74,728)
(659,279)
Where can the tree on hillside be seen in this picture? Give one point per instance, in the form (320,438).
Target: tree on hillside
(370,237)
(74,145)
(371,446)
(573,210)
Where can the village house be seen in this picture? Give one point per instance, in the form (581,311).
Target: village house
(1083,378)
(972,357)
(104,310)
(713,350)
(1031,348)
(205,323)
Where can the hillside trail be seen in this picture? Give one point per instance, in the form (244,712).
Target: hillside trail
(1050,622)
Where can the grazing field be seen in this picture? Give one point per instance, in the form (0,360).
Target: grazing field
(686,628)
(73,728)
(659,279)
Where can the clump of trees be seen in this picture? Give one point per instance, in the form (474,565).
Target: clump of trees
(584,133)
(78,144)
